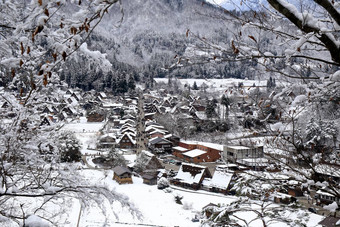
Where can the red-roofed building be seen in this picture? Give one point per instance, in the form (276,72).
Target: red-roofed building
(196,152)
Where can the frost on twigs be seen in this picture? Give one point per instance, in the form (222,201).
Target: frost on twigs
(42,36)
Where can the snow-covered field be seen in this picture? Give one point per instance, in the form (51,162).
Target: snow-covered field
(217,84)
(157,207)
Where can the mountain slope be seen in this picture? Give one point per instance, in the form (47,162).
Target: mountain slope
(151,28)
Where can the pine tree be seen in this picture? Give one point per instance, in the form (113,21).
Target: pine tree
(195,87)
(210,109)
(226,103)
(131,83)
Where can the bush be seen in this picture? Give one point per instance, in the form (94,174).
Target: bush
(69,148)
(162,183)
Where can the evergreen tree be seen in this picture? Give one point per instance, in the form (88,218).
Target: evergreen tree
(122,85)
(69,148)
(114,85)
(131,83)
(210,109)
(226,103)
(195,87)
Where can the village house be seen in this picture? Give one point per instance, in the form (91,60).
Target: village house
(195,152)
(326,197)
(191,176)
(149,116)
(330,222)
(172,138)
(220,182)
(95,117)
(150,178)
(157,133)
(160,143)
(178,151)
(258,164)
(106,141)
(234,153)
(127,141)
(122,175)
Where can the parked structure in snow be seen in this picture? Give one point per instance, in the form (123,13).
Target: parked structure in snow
(122,175)
(191,176)
(196,152)
(160,143)
(235,153)
(220,182)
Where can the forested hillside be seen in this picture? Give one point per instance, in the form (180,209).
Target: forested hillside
(152,34)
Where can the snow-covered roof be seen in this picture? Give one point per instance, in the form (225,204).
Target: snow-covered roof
(109,135)
(189,177)
(324,193)
(254,161)
(201,115)
(180,148)
(235,147)
(131,129)
(220,180)
(225,166)
(206,144)
(129,135)
(148,153)
(119,170)
(194,153)
(102,94)
(158,140)
(158,131)
(170,135)
(153,127)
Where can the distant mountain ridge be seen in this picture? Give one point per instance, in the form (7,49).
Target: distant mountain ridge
(159,27)
(151,34)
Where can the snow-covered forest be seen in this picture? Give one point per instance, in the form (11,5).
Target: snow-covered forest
(169,113)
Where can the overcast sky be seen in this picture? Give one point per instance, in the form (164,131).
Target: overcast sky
(226,3)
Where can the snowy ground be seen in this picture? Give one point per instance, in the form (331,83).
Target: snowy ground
(157,207)
(217,84)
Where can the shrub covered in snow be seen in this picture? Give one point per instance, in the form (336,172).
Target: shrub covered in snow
(162,183)
(69,148)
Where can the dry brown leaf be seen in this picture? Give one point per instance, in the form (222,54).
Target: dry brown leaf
(45,80)
(22,48)
(252,37)
(54,56)
(64,55)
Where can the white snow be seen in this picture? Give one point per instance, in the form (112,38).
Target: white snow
(299,100)
(194,153)
(220,180)
(36,221)
(331,207)
(187,177)
(180,148)
(336,76)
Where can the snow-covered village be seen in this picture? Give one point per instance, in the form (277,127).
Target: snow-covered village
(169,113)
